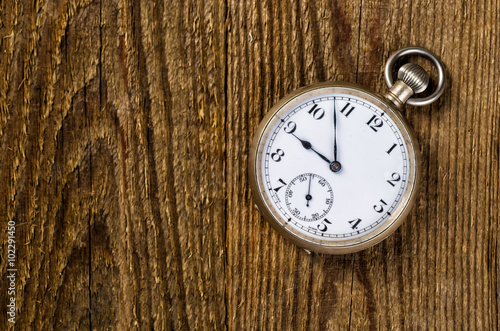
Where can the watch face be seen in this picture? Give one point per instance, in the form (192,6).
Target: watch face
(334,169)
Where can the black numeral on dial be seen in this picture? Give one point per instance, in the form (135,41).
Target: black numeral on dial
(323,225)
(290,127)
(380,208)
(347,111)
(390,149)
(278,155)
(354,223)
(316,112)
(375,123)
(279,187)
(395,178)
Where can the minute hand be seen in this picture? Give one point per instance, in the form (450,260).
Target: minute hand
(335,166)
(307,145)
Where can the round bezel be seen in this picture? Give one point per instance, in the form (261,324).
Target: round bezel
(339,246)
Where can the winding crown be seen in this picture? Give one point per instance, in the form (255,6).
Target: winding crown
(414,76)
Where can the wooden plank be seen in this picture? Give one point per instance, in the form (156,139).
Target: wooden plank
(440,270)
(132,133)
(125,128)
(162,209)
(45,173)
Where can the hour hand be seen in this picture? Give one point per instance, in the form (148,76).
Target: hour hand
(307,145)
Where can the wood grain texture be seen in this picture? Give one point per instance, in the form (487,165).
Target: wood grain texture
(124,132)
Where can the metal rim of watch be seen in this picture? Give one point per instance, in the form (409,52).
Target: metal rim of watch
(388,226)
(427,54)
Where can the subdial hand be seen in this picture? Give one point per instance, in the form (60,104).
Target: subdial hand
(307,145)
(308,196)
(335,166)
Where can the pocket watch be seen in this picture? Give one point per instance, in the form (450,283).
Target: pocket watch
(334,167)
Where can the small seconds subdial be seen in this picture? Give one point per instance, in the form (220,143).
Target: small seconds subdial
(309,197)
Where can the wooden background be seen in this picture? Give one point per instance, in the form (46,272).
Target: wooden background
(124,139)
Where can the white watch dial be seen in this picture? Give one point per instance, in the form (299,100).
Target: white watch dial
(304,148)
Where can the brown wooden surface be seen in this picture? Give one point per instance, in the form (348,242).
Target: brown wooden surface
(124,137)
